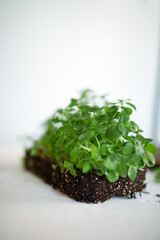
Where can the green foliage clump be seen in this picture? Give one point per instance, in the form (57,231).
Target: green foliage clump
(97,139)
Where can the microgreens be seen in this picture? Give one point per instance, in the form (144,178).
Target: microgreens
(97,139)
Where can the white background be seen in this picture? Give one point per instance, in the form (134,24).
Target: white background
(52,49)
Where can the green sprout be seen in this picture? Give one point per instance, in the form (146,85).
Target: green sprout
(97,139)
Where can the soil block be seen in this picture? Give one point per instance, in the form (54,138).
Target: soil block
(86,187)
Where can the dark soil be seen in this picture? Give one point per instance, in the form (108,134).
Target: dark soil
(84,187)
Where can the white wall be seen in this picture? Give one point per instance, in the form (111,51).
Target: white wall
(52,48)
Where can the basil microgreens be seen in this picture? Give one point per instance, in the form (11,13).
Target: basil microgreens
(97,139)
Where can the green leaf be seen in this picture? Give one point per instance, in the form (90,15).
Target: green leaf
(70,167)
(104,149)
(75,154)
(85,167)
(122,170)
(139,149)
(111,149)
(123,129)
(151,148)
(141,164)
(74,102)
(111,111)
(111,162)
(128,110)
(151,158)
(112,134)
(140,138)
(112,176)
(123,116)
(134,160)
(80,163)
(59,141)
(147,140)
(132,173)
(133,126)
(88,134)
(131,104)
(98,165)
(67,164)
(73,172)
(128,148)
(94,150)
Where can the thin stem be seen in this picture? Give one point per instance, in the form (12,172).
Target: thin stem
(86,148)
(97,141)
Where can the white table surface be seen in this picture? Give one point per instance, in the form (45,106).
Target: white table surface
(31,209)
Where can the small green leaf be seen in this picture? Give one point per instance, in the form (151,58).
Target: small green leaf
(80,164)
(74,102)
(151,158)
(132,173)
(73,172)
(133,126)
(87,134)
(131,104)
(111,162)
(141,164)
(147,140)
(98,165)
(112,176)
(70,167)
(122,170)
(110,149)
(112,134)
(151,148)
(104,149)
(59,141)
(128,148)
(139,149)
(94,150)
(67,164)
(128,110)
(85,167)
(74,154)
(140,138)
(123,129)
(123,117)
(134,160)
(112,111)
